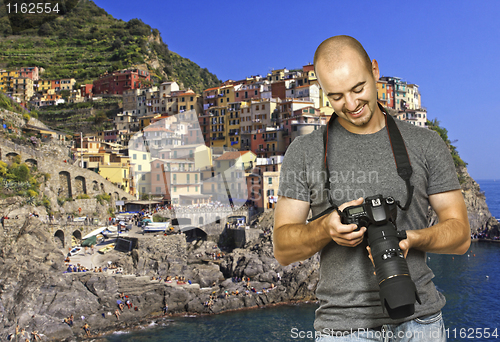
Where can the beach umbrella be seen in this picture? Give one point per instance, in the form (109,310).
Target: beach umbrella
(118,301)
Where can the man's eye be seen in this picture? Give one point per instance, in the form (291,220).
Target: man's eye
(358,90)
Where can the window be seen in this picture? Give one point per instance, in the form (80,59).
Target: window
(175,189)
(143,177)
(157,177)
(144,156)
(270,180)
(139,167)
(157,165)
(187,180)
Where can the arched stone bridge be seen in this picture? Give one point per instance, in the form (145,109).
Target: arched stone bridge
(67,180)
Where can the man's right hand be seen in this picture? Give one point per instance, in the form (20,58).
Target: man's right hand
(344,234)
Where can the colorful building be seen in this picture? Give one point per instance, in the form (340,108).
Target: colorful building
(119,81)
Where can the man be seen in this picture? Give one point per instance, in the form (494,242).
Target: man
(361,164)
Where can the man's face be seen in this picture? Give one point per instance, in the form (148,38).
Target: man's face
(352,92)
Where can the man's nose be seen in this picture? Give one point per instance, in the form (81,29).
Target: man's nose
(350,103)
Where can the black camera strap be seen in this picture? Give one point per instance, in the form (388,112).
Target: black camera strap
(399,151)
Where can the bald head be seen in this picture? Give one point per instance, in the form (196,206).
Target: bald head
(336,49)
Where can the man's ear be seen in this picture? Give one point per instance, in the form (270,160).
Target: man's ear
(375,70)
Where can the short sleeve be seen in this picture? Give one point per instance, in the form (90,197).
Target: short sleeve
(442,173)
(293,175)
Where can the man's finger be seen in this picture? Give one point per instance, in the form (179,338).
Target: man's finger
(370,255)
(405,246)
(351,203)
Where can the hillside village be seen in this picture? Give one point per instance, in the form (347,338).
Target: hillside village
(171,145)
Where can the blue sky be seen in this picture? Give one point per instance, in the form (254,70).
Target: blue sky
(451,49)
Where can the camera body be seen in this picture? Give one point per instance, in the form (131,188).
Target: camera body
(377,210)
(398,292)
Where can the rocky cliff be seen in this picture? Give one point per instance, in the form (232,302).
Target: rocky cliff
(36,293)
(480,218)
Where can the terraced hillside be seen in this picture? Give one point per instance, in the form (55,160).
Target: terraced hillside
(86,42)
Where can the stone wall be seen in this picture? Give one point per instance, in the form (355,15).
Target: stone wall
(66,180)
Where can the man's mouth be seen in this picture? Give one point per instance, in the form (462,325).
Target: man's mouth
(356,113)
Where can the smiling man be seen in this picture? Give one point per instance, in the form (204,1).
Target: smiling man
(358,145)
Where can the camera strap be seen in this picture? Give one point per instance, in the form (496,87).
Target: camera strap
(399,151)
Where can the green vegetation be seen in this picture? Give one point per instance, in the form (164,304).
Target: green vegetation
(83,196)
(102,198)
(158,218)
(81,117)
(17,179)
(62,200)
(9,104)
(443,133)
(87,42)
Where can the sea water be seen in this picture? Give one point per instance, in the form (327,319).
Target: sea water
(470,283)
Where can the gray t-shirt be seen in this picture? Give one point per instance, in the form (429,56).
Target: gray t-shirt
(362,166)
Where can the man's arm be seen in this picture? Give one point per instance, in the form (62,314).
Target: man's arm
(451,235)
(294,240)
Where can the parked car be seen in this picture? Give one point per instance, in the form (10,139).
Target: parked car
(74,251)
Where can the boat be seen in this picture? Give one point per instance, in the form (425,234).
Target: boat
(107,248)
(95,232)
(155,228)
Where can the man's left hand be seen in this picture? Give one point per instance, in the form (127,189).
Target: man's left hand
(405,246)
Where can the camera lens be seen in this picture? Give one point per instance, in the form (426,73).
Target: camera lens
(397,291)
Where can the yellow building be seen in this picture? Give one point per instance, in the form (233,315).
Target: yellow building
(140,160)
(277,75)
(146,120)
(187,100)
(67,83)
(22,87)
(217,126)
(382,92)
(43,86)
(200,154)
(7,80)
(116,169)
(226,95)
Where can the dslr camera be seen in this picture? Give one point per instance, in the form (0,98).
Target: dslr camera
(378,214)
